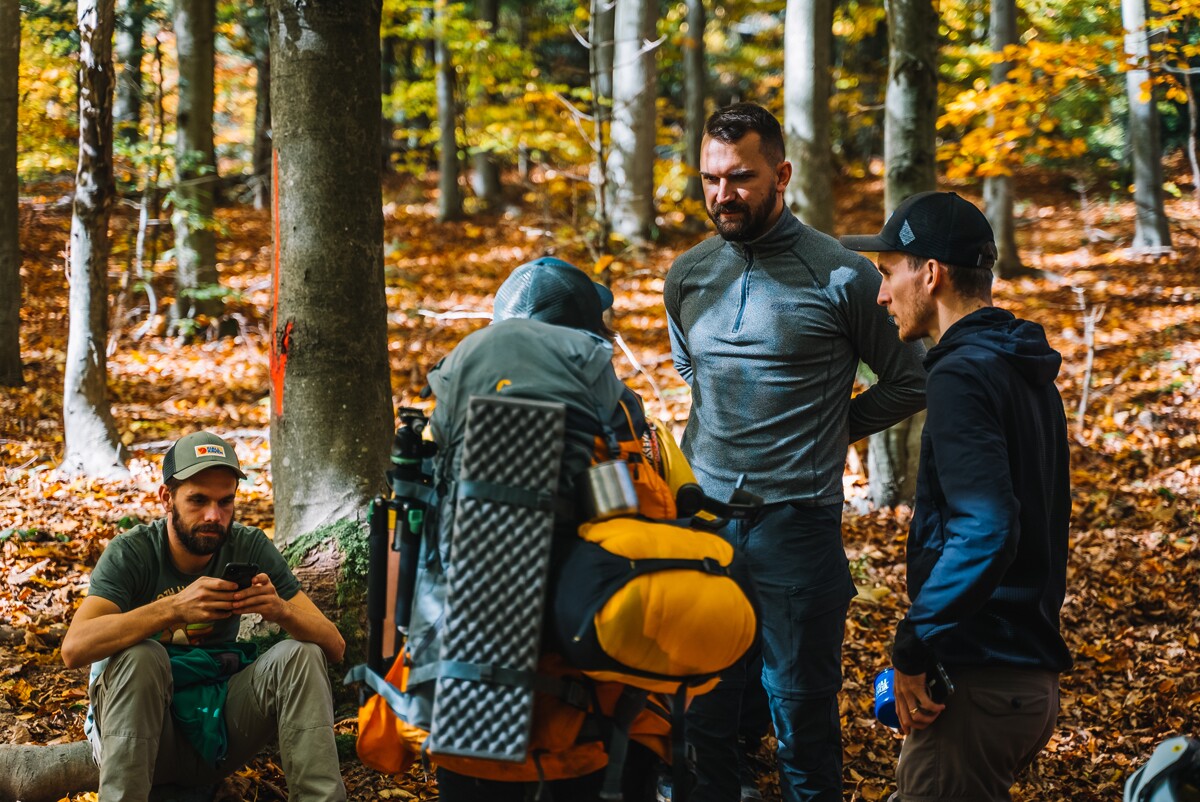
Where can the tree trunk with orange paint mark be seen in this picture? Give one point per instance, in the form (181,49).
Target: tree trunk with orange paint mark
(331,412)
(197,291)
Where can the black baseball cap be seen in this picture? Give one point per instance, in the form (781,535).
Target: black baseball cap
(197,452)
(553,291)
(934,225)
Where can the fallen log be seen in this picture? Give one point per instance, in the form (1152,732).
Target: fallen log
(46,773)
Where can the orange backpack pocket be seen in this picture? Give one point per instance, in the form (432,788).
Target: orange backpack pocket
(387,743)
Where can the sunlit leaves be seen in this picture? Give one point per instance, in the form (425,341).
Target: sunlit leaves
(1030,118)
(46,129)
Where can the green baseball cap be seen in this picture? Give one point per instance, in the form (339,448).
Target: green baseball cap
(196,452)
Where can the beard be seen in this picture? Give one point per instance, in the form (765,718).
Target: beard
(752,222)
(915,324)
(201,539)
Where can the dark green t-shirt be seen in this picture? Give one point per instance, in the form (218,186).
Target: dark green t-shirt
(137,569)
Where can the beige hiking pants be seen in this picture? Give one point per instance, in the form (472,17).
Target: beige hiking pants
(284,694)
(992,728)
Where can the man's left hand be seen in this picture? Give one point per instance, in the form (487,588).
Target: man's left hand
(914,708)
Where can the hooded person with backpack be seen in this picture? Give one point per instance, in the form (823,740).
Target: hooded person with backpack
(548,305)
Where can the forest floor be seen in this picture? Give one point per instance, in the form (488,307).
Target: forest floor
(1130,617)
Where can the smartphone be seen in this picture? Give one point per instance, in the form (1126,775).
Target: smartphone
(242,573)
(940,686)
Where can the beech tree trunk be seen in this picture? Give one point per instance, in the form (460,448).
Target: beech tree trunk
(603,29)
(486,180)
(1152,233)
(90,443)
(997,190)
(450,204)
(127,110)
(331,399)
(195,163)
(600,33)
(634,122)
(10,243)
(909,142)
(909,146)
(808,40)
(695,90)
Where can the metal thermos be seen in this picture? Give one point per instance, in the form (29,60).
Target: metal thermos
(610,490)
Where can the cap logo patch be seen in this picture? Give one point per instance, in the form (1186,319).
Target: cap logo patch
(906,234)
(210,451)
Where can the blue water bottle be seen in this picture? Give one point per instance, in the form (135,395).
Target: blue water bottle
(885,698)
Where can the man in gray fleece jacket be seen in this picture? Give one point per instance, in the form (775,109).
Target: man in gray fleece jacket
(768,322)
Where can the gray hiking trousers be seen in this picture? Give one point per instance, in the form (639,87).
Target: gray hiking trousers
(284,694)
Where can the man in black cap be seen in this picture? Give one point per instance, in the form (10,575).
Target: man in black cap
(174,699)
(979,652)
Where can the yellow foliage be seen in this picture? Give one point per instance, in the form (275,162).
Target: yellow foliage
(46,117)
(998,126)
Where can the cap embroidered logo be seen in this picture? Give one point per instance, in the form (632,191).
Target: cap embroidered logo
(210,451)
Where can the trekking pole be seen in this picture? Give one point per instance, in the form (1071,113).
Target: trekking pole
(377,542)
(411,491)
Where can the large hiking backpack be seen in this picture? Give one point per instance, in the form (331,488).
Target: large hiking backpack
(477,675)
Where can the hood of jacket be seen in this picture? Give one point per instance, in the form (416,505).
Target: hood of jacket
(1020,343)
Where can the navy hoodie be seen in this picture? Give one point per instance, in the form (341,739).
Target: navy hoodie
(987,548)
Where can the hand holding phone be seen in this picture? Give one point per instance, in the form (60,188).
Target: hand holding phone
(940,686)
(241,573)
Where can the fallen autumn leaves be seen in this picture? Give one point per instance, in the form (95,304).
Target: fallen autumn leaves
(1130,617)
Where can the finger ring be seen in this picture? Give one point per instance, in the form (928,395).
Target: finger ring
(914,711)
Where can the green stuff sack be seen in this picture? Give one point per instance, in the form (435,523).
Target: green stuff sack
(653,605)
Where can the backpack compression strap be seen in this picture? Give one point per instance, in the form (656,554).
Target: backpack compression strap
(404,705)
(570,691)
(630,703)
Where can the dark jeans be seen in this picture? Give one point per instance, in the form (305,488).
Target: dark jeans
(755,721)
(796,557)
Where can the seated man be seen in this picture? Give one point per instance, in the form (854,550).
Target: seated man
(159,624)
